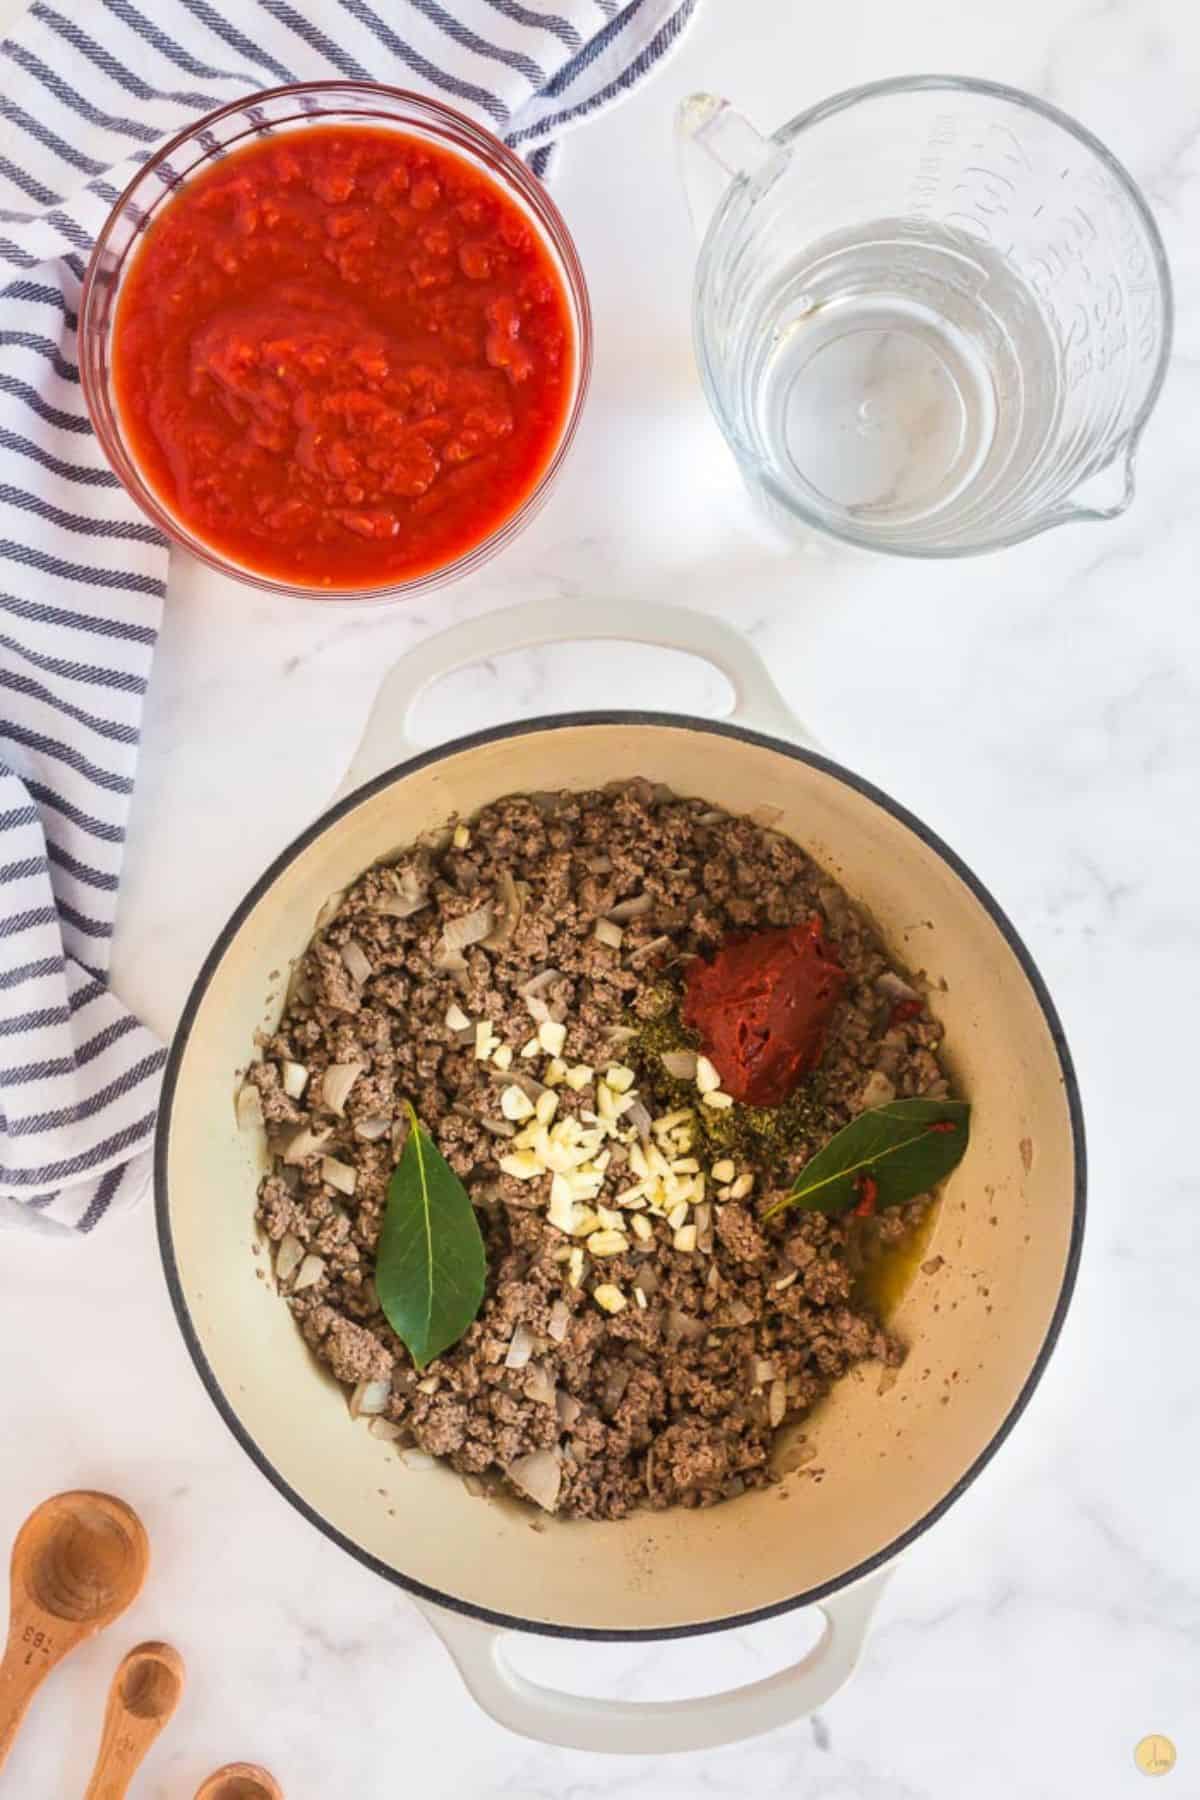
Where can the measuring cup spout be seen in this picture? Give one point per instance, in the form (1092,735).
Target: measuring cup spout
(717,144)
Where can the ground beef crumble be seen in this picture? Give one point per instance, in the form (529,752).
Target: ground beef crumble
(673,1403)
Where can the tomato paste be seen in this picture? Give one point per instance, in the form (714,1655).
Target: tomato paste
(762,1007)
(343,356)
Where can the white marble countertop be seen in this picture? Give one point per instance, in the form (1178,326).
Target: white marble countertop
(1041,709)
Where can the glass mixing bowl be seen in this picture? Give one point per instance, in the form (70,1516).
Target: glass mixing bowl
(294,109)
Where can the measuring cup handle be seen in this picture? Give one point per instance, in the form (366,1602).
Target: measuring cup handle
(388,738)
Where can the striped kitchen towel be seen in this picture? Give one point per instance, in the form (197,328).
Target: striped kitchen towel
(88,89)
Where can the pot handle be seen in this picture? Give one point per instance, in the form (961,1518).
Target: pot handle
(387,739)
(653,1727)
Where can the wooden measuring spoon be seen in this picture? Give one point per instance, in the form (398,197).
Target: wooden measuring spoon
(144,1693)
(78,1561)
(240,1781)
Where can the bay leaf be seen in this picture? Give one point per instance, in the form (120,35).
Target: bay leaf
(905,1147)
(430,1264)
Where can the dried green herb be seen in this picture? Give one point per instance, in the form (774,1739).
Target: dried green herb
(885,1157)
(430,1265)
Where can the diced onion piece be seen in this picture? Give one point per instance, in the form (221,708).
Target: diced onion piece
(387,1429)
(418,1459)
(410,895)
(681,1327)
(685,1239)
(249,1107)
(680,1063)
(288,1256)
(295,1079)
(513,895)
(568,1408)
(456,1018)
(536,983)
(878,1090)
(328,911)
(651,948)
(538,1476)
(374,1129)
(642,1228)
(633,908)
(776,1403)
(501,1128)
(311,1271)
(560,1319)
(537,1008)
(894,987)
(639,1118)
(577,1078)
(725,1170)
(520,1348)
(462,837)
(336,1083)
(552,1035)
(339,1175)
(718,1100)
(370,1397)
(469,928)
(358,964)
(764,1371)
(540,1386)
(607,931)
(305,1143)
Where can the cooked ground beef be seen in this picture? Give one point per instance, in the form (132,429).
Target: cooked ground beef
(674,1401)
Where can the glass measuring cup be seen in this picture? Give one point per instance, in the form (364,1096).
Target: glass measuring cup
(931,315)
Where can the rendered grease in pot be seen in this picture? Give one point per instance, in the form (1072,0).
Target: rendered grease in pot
(529,981)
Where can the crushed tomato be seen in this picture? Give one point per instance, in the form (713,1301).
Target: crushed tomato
(762,1008)
(343,357)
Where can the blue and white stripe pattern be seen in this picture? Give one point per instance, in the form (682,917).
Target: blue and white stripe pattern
(88,88)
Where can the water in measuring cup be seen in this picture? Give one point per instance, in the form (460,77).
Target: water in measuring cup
(902,379)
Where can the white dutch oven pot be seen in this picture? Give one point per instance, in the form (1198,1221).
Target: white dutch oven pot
(980,1329)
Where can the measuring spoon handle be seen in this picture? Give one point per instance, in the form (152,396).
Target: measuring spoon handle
(133,1718)
(34,1647)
